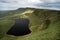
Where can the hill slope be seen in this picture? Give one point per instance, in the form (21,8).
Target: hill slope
(44,25)
(11,12)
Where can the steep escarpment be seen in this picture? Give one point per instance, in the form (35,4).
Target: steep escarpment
(45,23)
(46,17)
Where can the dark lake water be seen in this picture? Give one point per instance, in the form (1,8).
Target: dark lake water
(20,28)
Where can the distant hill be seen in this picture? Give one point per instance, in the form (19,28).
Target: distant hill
(11,12)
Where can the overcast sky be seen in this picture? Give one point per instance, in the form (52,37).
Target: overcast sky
(14,4)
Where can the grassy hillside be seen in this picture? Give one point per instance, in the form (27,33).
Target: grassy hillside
(44,25)
(11,12)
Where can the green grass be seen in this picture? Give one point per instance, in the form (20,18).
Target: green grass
(37,22)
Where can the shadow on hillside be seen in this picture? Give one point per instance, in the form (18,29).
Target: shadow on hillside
(47,23)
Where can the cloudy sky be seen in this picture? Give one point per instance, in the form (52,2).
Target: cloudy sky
(14,4)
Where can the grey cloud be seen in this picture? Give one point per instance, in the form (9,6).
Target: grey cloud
(14,4)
